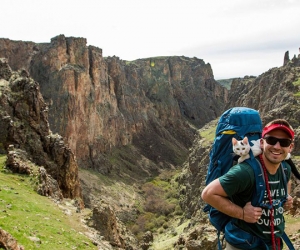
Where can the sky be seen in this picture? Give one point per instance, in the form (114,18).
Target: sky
(237,37)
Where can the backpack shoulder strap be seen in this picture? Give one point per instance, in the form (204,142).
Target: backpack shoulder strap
(260,184)
(284,170)
(287,241)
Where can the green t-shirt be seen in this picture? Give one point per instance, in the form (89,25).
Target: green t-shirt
(239,184)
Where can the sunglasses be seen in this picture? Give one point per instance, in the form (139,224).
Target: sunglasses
(273,140)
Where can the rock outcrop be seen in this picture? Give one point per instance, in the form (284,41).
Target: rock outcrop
(25,134)
(286,58)
(107,224)
(8,242)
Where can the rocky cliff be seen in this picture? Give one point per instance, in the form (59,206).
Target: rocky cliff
(275,90)
(100,104)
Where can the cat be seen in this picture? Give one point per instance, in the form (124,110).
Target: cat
(242,148)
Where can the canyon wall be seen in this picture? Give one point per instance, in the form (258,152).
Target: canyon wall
(99,104)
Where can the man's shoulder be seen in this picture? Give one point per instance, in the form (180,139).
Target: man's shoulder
(243,166)
(243,170)
(239,177)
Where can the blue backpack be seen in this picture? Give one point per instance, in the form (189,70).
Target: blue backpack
(237,122)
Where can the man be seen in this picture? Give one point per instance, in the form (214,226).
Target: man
(232,192)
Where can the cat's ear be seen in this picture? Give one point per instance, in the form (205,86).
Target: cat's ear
(245,140)
(234,141)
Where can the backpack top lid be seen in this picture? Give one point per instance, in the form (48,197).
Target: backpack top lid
(242,120)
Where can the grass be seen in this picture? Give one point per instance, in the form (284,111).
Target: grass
(292,226)
(166,241)
(208,133)
(25,214)
(162,215)
(225,83)
(297,83)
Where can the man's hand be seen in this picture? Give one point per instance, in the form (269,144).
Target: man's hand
(251,214)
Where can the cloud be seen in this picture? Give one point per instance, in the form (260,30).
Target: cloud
(229,34)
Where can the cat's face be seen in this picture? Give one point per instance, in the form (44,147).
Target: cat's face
(241,147)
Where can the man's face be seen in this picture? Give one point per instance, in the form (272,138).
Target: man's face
(276,153)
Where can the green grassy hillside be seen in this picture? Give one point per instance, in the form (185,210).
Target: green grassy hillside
(35,221)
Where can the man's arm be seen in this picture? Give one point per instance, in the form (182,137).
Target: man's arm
(215,195)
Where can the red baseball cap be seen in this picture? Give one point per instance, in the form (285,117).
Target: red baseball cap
(283,127)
